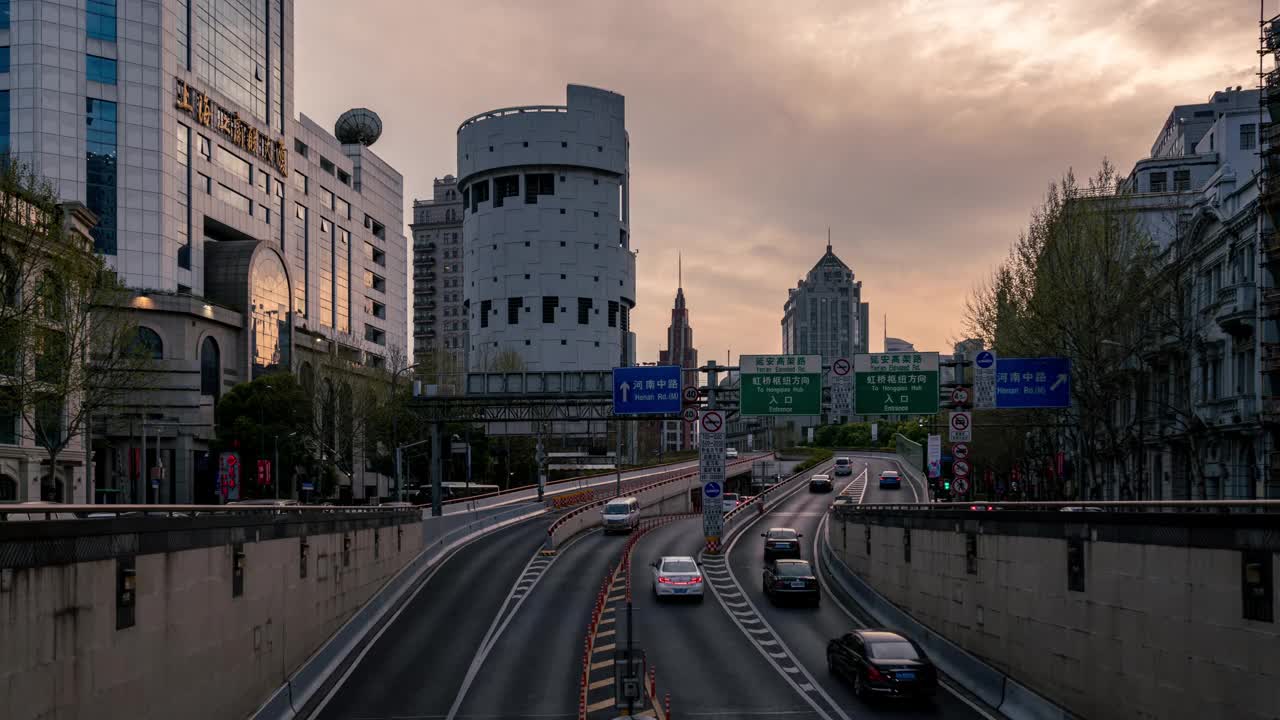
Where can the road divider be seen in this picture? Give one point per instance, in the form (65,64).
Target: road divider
(651,495)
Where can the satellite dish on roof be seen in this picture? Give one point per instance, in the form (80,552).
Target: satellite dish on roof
(358,126)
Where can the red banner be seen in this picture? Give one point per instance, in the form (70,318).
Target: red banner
(264,472)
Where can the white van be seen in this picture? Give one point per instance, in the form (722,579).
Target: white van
(620,515)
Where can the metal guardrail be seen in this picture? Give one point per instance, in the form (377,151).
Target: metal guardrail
(83,511)
(1076,506)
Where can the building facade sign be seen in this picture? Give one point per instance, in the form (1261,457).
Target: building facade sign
(210,114)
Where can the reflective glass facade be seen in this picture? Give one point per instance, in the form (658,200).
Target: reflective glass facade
(100,157)
(100,19)
(99,69)
(324,248)
(301,232)
(183,141)
(269,310)
(231,55)
(342,281)
(4,122)
(4,59)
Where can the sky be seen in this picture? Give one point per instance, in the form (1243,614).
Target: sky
(922,133)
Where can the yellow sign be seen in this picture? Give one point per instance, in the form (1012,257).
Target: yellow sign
(209,114)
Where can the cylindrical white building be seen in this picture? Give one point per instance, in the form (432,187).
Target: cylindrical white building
(550,276)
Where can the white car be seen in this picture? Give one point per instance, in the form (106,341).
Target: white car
(730,501)
(731,453)
(676,576)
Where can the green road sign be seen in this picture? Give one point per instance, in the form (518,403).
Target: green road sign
(895,383)
(781,384)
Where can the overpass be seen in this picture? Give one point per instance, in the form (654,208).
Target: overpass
(347,613)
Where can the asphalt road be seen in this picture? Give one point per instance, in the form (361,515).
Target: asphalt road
(414,669)
(805,631)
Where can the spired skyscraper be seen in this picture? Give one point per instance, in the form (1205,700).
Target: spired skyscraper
(824,313)
(677,434)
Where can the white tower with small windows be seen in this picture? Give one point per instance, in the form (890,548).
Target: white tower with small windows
(549,271)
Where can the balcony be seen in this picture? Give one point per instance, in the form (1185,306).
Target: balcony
(429,305)
(1236,308)
(1271,410)
(1270,303)
(1238,410)
(430,262)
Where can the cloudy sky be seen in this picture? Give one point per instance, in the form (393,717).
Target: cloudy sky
(921,132)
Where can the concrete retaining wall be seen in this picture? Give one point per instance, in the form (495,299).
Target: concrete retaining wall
(195,651)
(1157,631)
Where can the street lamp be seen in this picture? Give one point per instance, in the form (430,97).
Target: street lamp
(395,425)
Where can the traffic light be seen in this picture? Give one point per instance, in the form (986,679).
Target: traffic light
(946,485)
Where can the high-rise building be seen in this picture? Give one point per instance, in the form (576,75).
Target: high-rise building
(439,316)
(257,242)
(893,344)
(678,434)
(550,275)
(824,314)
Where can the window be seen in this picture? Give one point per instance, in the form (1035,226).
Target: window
(326,164)
(100,19)
(344,177)
(375,281)
(584,311)
(1248,136)
(375,335)
(1181,180)
(300,182)
(613,313)
(100,161)
(1159,181)
(4,59)
(342,207)
(466,198)
(378,229)
(485,307)
(234,163)
(479,194)
(1256,585)
(4,14)
(375,255)
(233,198)
(299,147)
(149,344)
(505,187)
(9,434)
(375,308)
(210,368)
(98,69)
(326,198)
(48,420)
(183,151)
(206,150)
(205,183)
(4,122)
(51,355)
(536,184)
(513,310)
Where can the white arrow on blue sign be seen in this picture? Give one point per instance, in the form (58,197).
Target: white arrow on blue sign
(985,359)
(711,490)
(646,390)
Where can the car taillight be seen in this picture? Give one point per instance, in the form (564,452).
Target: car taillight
(973,507)
(664,580)
(779,583)
(873,674)
(695,579)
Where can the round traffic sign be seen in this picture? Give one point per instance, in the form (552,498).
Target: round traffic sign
(960,421)
(960,468)
(962,485)
(711,490)
(690,415)
(691,394)
(840,366)
(712,421)
(960,395)
(960,451)
(985,359)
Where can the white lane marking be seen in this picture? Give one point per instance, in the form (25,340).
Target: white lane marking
(806,687)
(857,622)
(774,638)
(777,654)
(496,629)
(392,620)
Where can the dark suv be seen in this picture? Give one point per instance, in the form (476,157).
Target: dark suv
(781,542)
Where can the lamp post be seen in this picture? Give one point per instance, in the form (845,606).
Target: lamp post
(395,426)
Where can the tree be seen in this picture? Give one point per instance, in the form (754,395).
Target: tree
(1078,283)
(69,342)
(257,418)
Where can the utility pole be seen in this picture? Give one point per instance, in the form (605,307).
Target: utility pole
(617,457)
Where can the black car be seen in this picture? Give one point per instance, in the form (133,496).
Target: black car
(781,542)
(791,579)
(820,483)
(882,663)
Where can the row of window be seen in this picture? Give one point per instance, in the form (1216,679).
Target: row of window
(504,186)
(550,306)
(325,163)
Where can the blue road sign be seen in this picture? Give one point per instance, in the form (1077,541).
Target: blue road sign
(711,490)
(647,390)
(1033,383)
(984,359)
